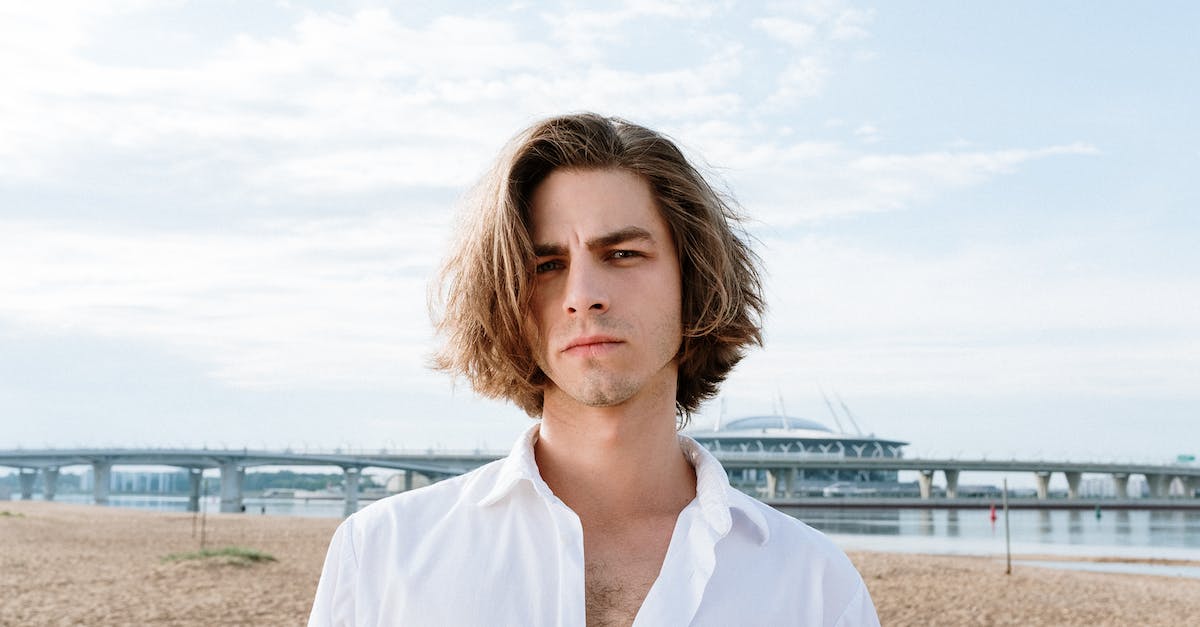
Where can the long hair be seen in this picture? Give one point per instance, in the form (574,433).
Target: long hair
(480,301)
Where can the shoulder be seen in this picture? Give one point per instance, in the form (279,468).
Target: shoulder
(798,550)
(423,506)
(383,552)
(808,569)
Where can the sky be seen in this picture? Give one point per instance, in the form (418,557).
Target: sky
(218,220)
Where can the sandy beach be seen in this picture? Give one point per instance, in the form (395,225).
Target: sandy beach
(64,564)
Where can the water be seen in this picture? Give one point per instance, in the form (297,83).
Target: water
(1130,535)
(309,508)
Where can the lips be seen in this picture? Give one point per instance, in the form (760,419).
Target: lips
(591,344)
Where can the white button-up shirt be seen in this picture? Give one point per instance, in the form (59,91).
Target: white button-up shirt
(496,547)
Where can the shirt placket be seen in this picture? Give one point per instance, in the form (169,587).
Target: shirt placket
(572,609)
(687,568)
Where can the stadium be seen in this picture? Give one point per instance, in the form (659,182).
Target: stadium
(738,442)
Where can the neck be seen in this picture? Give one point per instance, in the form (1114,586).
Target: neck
(609,462)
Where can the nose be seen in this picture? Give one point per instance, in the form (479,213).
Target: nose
(586,289)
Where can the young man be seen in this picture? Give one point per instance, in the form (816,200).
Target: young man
(603,286)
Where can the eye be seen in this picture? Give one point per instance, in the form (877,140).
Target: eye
(547,266)
(624,254)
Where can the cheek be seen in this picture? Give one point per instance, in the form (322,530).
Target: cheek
(537,323)
(672,298)
(670,313)
(542,299)
(530,330)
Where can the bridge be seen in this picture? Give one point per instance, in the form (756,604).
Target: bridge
(232,464)
(782,469)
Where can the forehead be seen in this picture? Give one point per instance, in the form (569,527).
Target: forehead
(580,204)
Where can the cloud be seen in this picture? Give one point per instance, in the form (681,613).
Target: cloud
(789,184)
(586,35)
(867,133)
(851,24)
(324,303)
(333,80)
(815,34)
(794,33)
(333,104)
(987,319)
(802,78)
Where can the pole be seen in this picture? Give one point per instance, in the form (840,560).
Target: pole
(1007,541)
(203,511)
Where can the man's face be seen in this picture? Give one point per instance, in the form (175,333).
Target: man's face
(606,299)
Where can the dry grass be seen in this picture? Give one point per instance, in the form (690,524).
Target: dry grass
(236,555)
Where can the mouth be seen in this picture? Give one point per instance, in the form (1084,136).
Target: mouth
(591,344)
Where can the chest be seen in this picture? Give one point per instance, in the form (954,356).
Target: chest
(621,566)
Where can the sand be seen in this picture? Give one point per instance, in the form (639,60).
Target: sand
(64,564)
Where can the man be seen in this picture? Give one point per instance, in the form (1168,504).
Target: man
(602,285)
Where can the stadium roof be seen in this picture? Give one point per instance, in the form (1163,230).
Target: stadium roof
(778,427)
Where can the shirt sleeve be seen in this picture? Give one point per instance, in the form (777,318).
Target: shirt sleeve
(860,612)
(334,604)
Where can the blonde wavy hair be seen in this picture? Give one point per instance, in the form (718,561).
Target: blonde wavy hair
(480,300)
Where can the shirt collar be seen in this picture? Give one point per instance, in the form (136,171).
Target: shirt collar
(716,497)
(519,465)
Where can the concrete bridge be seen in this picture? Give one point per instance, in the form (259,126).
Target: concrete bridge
(232,464)
(781,469)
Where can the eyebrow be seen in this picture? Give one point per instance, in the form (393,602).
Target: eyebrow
(620,236)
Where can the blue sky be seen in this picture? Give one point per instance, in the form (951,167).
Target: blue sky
(218,220)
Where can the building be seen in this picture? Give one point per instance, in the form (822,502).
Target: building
(798,439)
(140,481)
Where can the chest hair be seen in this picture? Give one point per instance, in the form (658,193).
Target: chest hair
(615,594)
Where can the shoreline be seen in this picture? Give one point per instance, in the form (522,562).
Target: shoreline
(69,563)
(1173,504)
(1023,556)
(1097,546)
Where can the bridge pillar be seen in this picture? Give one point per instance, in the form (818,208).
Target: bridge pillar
(951,483)
(1189,486)
(352,475)
(793,482)
(1043,484)
(49,483)
(231,487)
(101,477)
(27,475)
(408,474)
(1073,484)
(772,482)
(195,477)
(925,482)
(1158,485)
(1121,483)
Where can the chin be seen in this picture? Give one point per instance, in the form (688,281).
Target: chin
(607,393)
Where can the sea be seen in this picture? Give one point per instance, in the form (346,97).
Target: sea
(1144,542)
(1153,542)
